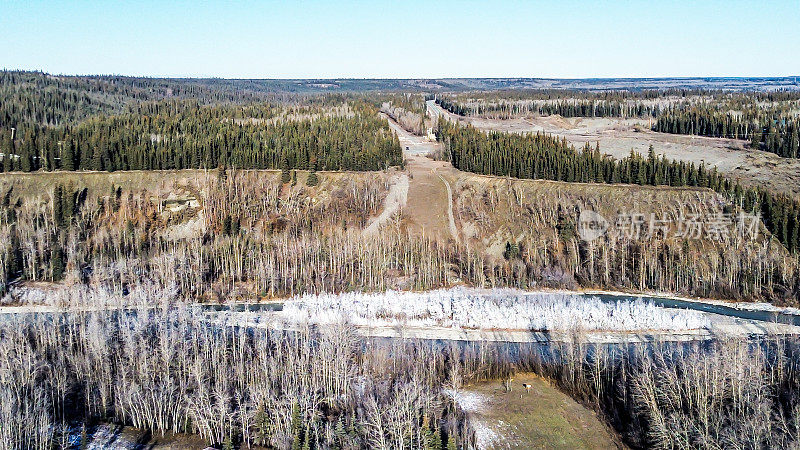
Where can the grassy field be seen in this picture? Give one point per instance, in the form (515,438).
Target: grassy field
(540,418)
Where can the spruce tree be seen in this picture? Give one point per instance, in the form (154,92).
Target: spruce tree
(58,210)
(67,204)
(286,176)
(312,179)
(68,157)
(97,160)
(451,442)
(227,225)
(15,255)
(641,174)
(755,142)
(57,260)
(26,156)
(7,148)
(297,428)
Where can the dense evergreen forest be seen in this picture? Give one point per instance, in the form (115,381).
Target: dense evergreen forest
(565,102)
(47,99)
(622,95)
(768,119)
(116,123)
(767,131)
(179,135)
(614,103)
(565,108)
(38,98)
(540,156)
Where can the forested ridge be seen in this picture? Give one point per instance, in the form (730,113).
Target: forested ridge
(768,119)
(613,103)
(36,97)
(28,98)
(565,102)
(621,95)
(120,123)
(179,135)
(565,108)
(767,130)
(541,156)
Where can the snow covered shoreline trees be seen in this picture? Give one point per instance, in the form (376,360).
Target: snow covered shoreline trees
(167,369)
(484,309)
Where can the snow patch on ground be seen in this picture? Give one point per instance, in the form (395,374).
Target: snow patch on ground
(485,436)
(473,404)
(500,309)
(468,401)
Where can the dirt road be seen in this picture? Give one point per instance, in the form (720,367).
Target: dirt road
(429,205)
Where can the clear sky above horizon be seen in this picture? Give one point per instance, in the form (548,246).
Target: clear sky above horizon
(402,39)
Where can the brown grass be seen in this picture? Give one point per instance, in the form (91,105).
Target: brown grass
(540,418)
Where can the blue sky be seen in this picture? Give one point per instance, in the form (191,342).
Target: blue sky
(408,39)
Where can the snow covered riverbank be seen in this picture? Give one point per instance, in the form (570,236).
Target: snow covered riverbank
(500,309)
(458,314)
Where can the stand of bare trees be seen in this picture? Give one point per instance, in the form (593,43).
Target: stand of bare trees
(409,112)
(171,369)
(544,247)
(244,232)
(168,370)
(247,232)
(721,394)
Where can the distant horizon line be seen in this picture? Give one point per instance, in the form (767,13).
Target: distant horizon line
(326,78)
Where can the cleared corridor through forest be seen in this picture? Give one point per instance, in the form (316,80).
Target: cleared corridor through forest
(429,201)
